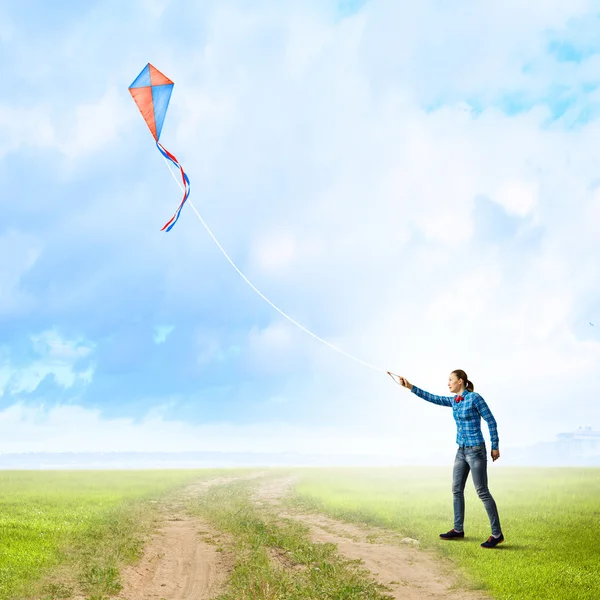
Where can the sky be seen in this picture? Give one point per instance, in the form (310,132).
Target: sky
(416,183)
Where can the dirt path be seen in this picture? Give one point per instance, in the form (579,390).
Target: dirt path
(395,561)
(182,560)
(177,565)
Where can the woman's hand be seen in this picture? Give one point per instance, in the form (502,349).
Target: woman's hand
(405,383)
(495,455)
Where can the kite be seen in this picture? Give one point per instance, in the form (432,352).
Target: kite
(151,91)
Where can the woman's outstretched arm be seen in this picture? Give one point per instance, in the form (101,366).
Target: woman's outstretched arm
(439,400)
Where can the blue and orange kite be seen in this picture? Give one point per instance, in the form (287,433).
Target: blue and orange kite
(151,91)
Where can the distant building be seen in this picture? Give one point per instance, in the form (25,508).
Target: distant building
(583,442)
(579,448)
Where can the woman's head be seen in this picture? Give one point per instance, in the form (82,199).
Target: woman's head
(458,381)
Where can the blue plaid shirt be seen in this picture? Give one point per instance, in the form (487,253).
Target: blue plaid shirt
(467,414)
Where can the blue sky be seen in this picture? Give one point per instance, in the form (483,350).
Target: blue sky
(416,184)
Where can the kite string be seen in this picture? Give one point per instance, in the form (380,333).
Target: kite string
(366,364)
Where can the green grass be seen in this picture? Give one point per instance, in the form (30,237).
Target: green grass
(68,533)
(550,518)
(274,559)
(64,532)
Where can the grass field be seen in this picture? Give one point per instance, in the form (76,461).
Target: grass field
(550,518)
(79,524)
(69,533)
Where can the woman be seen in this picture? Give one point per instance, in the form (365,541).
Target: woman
(468,408)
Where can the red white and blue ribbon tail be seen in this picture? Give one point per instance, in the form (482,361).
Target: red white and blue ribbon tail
(186,186)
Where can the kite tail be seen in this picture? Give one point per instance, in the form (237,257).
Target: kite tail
(186,186)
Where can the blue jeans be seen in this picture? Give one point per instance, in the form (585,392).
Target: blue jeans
(473,459)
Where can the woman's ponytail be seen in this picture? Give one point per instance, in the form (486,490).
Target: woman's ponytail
(460,374)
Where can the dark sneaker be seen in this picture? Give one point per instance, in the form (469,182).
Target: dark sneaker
(492,542)
(452,534)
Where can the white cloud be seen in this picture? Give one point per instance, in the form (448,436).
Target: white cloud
(25,127)
(95,125)
(55,356)
(276,251)
(90,128)
(51,345)
(273,349)
(307,37)
(274,338)
(154,8)
(18,254)
(76,429)
(517,197)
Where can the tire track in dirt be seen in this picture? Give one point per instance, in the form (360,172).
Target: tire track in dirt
(408,572)
(182,560)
